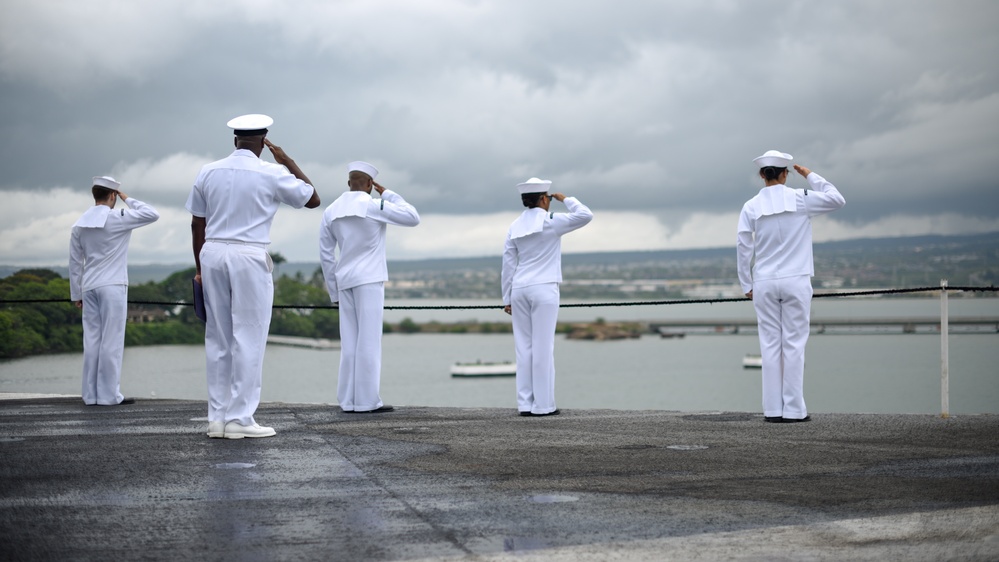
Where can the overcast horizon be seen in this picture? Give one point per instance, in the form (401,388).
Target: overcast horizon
(650,113)
(190,263)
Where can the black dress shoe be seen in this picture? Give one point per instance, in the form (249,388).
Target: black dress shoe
(796,420)
(553,413)
(526,413)
(385,408)
(773,419)
(127,401)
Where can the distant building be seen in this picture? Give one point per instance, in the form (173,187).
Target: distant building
(714,291)
(142,314)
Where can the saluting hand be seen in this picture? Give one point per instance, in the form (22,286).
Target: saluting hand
(558,197)
(279,154)
(378,187)
(802,170)
(282,158)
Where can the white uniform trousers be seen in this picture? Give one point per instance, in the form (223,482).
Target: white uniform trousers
(361,311)
(239,293)
(535,313)
(104,312)
(782,313)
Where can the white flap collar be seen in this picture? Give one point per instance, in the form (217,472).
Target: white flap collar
(351,204)
(529,222)
(94,217)
(774,200)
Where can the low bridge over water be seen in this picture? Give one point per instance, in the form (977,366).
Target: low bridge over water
(907,325)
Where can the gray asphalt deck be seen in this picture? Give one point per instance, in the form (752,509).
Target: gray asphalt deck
(143,481)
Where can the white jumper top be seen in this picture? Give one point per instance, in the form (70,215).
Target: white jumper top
(98,247)
(532,253)
(775,227)
(356,223)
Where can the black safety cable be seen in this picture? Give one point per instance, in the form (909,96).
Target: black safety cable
(574,305)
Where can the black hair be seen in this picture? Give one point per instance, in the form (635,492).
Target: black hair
(771,173)
(101,193)
(249,140)
(531,200)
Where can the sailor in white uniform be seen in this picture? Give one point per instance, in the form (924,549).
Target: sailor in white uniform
(532,271)
(352,252)
(775,230)
(233,203)
(98,281)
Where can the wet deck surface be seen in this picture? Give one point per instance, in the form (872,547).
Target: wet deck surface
(143,481)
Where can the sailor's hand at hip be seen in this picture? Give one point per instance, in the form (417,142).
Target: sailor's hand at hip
(508,309)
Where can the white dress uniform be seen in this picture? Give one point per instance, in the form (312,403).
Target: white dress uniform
(775,229)
(238,197)
(356,224)
(532,271)
(98,275)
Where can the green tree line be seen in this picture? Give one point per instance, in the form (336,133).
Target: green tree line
(27,329)
(38,328)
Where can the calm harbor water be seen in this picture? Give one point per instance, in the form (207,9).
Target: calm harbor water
(884,373)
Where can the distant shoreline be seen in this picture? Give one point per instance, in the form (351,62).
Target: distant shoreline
(141,273)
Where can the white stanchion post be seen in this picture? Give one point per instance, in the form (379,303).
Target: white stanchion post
(944,352)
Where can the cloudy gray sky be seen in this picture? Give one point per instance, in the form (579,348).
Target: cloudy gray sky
(649,112)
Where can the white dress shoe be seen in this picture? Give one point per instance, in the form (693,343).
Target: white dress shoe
(236,430)
(216,429)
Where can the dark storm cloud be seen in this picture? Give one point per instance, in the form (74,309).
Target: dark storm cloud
(642,107)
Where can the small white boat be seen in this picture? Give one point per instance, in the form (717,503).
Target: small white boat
(752,361)
(484,369)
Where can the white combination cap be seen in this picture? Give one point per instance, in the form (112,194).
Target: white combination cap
(106,181)
(774,158)
(250,125)
(358,166)
(534,185)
